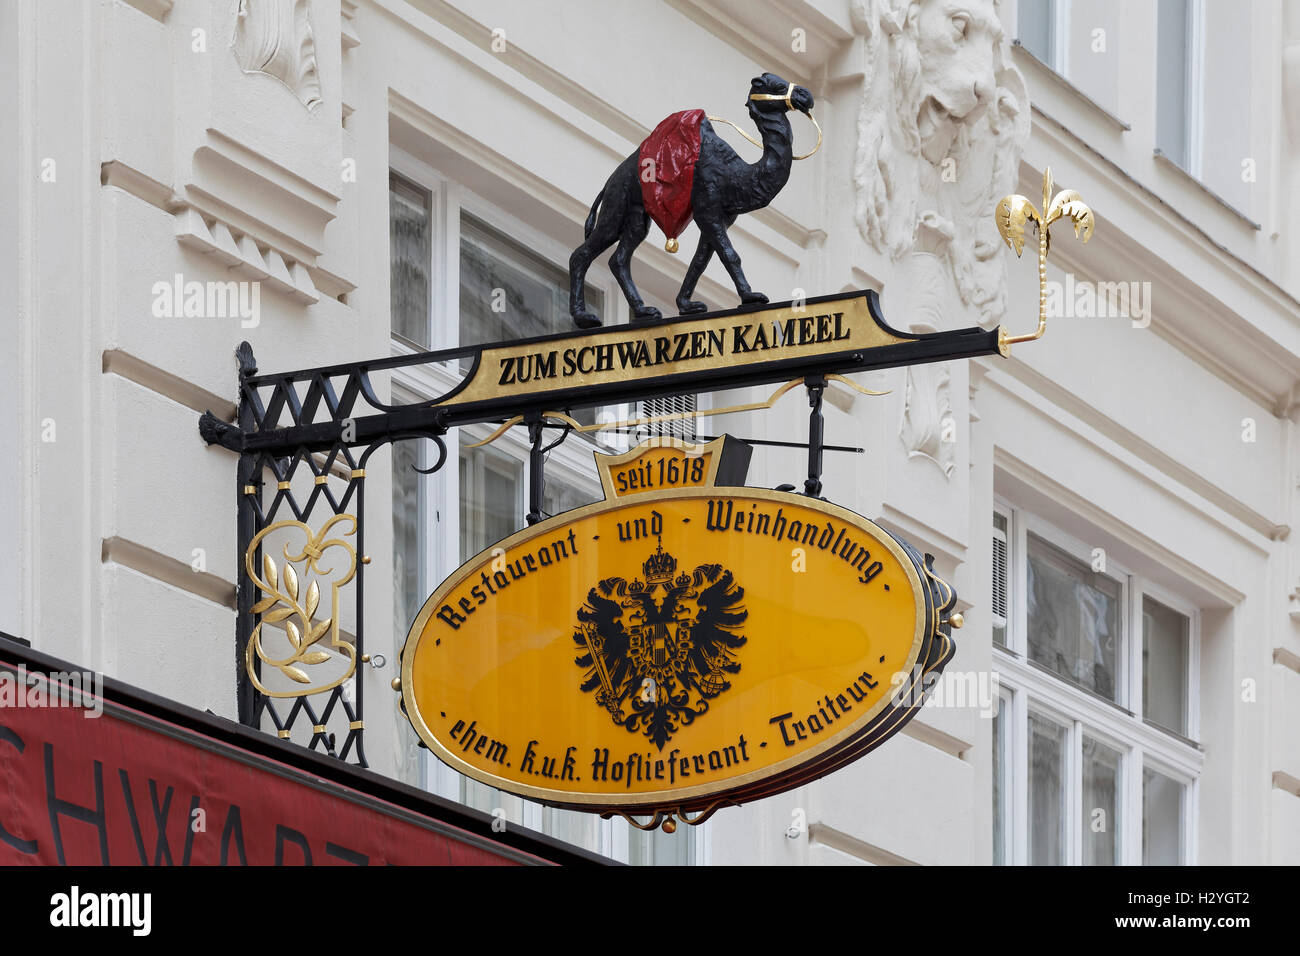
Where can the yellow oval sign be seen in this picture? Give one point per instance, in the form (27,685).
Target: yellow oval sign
(676,650)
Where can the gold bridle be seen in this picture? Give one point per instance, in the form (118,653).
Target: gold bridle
(789,105)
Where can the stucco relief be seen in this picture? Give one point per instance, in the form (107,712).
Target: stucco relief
(275,37)
(942,122)
(928,427)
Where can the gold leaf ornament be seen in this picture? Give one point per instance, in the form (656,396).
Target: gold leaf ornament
(1013,213)
(282,604)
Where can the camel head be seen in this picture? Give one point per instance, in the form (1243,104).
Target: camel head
(771,94)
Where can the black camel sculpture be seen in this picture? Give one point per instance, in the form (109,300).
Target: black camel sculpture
(677,174)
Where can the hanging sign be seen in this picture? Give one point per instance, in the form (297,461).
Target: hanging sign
(680,646)
(752,345)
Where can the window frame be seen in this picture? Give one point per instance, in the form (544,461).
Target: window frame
(570,462)
(1193,90)
(1116,724)
(1058,36)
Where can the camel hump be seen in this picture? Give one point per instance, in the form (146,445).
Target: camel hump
(666,168)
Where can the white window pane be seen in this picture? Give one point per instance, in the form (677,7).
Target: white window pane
(656,848)
(1036,28)
(509,292)
(572,826)
(1173,21)
(1101,821)
(408,537)
(1001,782)
(410,259)
(1165,650)
(1047,777)
(1001,594)
(559,497)
(1162,820)
(490,498)
(1074,619)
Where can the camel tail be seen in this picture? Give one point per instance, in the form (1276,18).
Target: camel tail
(590,224)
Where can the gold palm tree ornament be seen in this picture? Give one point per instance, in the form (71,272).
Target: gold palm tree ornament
(1012,215)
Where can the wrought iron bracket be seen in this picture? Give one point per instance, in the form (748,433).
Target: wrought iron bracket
(816,385)
(329,420)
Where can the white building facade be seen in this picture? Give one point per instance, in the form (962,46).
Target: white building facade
(1114,503)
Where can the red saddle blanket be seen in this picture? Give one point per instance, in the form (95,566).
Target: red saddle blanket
(667,170)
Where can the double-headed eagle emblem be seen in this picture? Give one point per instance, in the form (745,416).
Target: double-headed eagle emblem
(657,651)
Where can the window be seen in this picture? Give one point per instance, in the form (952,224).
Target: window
(1002,819)
(1073,618)
(1178,94)
(410,231)
(454,254)
(1040,28)
(1079,43)
(1094,754)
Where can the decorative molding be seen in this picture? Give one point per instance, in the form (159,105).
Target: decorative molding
(1044,71)
(348,35)
(1086,509)
(941,127)
(947,550)
(131,180)
(167,570)
(275,37)
(918,729)
(240,184)
(927,423)
(761,35)
(198,227)
(1035,390)
(923,283)
(179,390)
(1166,163)
(852,846)
(158,9)
(1259,355)
(243,254)
(1286,782)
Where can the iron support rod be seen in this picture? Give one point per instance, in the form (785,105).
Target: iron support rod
(816,427)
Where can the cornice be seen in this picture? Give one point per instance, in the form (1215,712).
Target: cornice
(1252,342)
(574,100)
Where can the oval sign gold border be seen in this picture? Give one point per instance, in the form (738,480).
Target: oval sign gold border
(683,797)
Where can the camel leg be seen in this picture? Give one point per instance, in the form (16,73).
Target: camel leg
(601,238)
(619,264)
(716,233)
(703,253)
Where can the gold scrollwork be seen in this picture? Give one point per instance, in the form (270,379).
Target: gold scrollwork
(673,416)
(662,817)
(283,587)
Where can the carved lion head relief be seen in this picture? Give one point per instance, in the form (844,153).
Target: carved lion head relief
(942,122)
